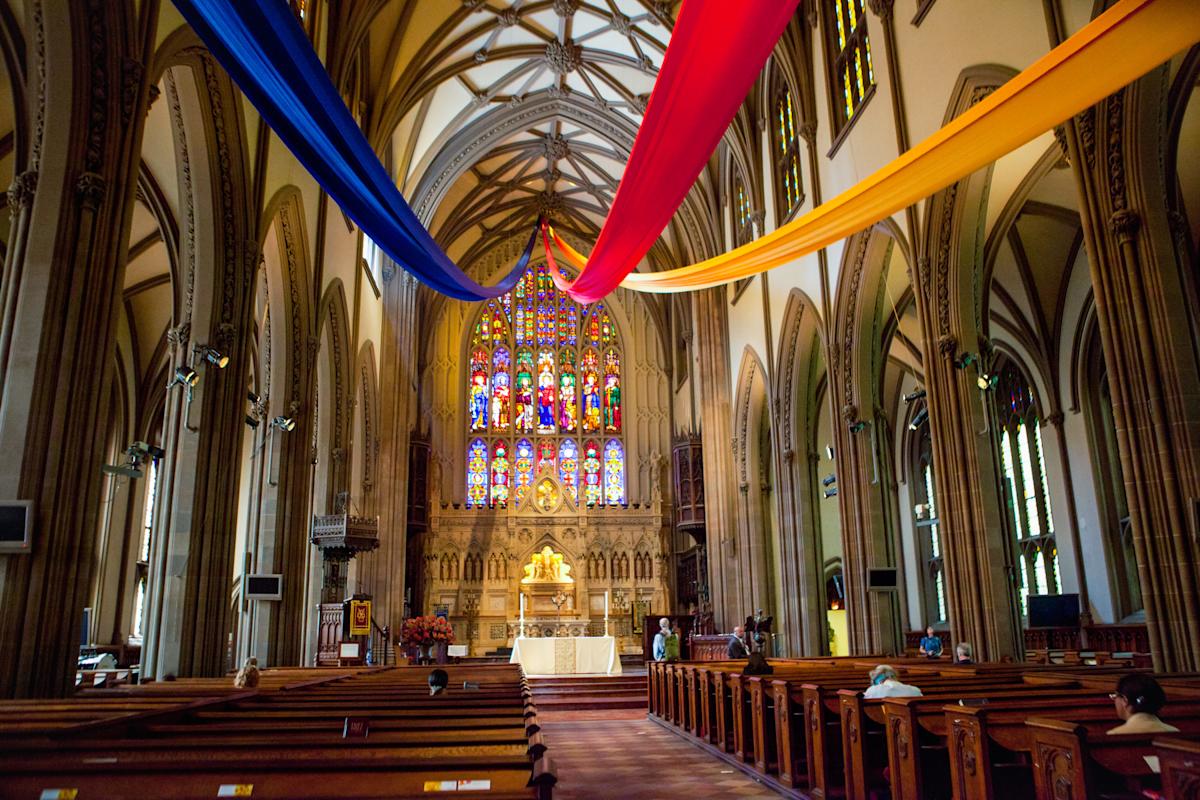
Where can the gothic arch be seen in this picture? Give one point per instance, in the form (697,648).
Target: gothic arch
(338,391)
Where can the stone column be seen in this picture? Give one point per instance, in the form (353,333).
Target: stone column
(1145,296)
(398,380)
(711,370)
(72,205)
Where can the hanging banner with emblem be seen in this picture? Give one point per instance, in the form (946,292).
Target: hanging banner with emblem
(360,617)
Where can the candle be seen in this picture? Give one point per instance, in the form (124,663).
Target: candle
(522,605)
(606,604)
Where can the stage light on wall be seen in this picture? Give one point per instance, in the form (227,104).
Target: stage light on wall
(253,398)
(964,360)
(831,493)
(283,423)
(829,480)
(919,419)
(829,452)
(251,421)
(184,376)
(987,381)
(857,426)
(212,356)
(914,396)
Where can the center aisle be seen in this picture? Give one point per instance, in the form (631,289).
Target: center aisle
(626,756)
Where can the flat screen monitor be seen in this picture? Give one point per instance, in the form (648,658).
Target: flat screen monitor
(16,522)
(881,579)
(264,587)
(349,650)
(1053,610)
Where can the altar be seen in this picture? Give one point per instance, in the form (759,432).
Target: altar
(567,655)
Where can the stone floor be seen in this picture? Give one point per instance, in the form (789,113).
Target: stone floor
(616,755)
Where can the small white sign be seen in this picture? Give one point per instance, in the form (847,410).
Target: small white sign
(58,794)
(236,790)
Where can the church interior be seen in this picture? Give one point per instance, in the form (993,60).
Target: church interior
(686,381)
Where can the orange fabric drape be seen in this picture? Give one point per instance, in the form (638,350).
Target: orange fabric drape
(1113,50)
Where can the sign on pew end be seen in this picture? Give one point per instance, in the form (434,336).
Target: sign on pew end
(470,785)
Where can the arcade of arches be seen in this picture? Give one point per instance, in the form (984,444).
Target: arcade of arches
(207,372)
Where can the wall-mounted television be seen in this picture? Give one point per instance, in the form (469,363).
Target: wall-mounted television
(264,587)
(882,579)
(16,526)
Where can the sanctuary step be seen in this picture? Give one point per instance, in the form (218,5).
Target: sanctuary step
(590,692)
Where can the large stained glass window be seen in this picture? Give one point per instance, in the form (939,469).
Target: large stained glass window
(789,190)
(851,74)
(541,371)
(1025,486)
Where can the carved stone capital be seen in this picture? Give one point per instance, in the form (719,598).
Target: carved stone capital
(948,346)
(225,337)
(154,93)
(1125,225)
(881,8)
(808,131)
(1054,418)
(21,191)
(90,188)
(850,412)
(179,335)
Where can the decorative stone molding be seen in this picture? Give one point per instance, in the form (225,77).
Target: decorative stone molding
(22,191)
(881,8)
(179,335)
(1125,225)
(563,57)
(565,8)
(1054,419)
(226,337)
(90,187)
(947,346)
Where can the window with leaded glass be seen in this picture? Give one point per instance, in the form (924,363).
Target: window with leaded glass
(789,190)
(544,398)
(143,560)
(928,531)
(848,59)
(1024,483)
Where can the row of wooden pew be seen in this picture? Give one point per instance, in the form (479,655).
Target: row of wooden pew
(978,732)
(302,733)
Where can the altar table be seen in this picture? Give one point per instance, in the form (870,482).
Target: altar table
(567,655)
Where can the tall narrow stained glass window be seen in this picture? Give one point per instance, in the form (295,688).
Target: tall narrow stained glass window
(789,190)
(541,371)
(928,530)
(848,56)
(1026,492)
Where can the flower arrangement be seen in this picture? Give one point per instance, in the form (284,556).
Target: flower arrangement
(426,631)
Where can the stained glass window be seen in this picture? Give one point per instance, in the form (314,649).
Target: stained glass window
(477,473)
(568,468)
(928,529)
(851,72)
(523,469)
(541,364)
(787,151)
(1027,494)
(592,488)
(614,473)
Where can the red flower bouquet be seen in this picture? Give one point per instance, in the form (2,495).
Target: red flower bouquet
(426,631)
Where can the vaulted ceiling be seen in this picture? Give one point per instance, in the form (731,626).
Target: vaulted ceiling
(496,112)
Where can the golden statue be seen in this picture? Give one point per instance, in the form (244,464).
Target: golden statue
(547,567)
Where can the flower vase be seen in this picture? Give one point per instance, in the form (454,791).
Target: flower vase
(425,654)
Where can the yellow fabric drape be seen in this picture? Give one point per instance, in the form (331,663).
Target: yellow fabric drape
(1113,50)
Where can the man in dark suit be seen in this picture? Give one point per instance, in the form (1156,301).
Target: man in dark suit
(737,645)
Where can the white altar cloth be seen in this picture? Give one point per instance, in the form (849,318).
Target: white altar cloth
(567,655)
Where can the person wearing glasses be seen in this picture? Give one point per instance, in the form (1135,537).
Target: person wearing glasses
(1138,699)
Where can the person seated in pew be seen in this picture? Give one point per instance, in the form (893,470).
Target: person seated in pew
(438,681)
(963,654)
(247,677)
(931,644)
(885,682)
(1138,699)
(737,645)
(666,642)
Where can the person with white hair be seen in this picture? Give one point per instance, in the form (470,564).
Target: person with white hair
(666,642)
(885,682)
(963,654)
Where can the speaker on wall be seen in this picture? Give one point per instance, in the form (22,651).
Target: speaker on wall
(1053,610)
(264,587)
(882,579)
(16,526)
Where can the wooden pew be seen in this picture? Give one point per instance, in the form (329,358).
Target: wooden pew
(1179,759)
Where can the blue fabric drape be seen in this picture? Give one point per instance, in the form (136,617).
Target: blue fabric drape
(263,48)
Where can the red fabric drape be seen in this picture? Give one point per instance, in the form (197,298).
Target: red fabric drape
(716,51)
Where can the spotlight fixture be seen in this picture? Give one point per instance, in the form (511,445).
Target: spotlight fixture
(129,470)
(284,423)
(829,480)
(911,398)
(251,421)
(831,493)
(919,419)
(252,397)
(965,360)
(855,427)
(139,450)
(829,452)
(986,381)
(184,376)
(212,356)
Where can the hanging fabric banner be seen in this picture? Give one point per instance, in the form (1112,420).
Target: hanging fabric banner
(715,53)
(263,48)
(1113,50)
